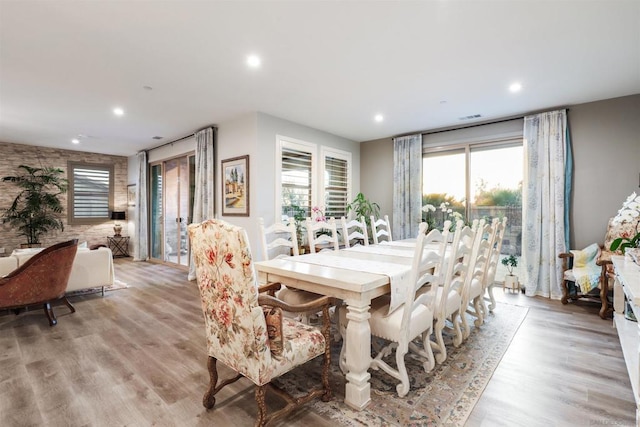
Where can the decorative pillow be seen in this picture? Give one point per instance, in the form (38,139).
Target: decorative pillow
(273,318)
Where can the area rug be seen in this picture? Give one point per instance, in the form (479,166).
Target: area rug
(117,284)
(444,397)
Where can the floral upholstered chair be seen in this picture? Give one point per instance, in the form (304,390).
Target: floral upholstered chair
(623,227)
(246,330)
(41,280)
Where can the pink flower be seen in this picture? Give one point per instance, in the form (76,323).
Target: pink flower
(228,258)
(212,255)
(318,214)
(223,314)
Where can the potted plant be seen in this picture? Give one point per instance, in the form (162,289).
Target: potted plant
(624,243)
(37,207)
(510,280)
(363,207)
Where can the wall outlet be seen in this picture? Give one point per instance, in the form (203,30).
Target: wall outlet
(1,250)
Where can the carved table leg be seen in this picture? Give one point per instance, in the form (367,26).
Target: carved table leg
(358,355)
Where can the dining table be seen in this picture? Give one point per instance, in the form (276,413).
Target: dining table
(354,275)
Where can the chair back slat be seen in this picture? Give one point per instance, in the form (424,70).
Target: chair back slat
(354,232)
(278,240)
(381,229)
(322,233)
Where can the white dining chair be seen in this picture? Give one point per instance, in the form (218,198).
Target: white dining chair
(381,229)
(449,293)
(354,232)
(473,290)
(496,249)
(323,234)
(413,319)
(279,241)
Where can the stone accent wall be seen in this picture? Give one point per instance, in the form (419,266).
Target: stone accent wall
(14,155)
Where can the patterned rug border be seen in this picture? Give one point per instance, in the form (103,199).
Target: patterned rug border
(444,397)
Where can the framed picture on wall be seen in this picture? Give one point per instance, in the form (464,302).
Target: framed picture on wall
(235,186)
(131,195)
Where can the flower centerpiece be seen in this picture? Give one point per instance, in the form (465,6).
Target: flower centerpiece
(447,214)
(428,216)
(629,213)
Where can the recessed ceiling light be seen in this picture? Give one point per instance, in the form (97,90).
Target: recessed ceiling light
(118,111)
(515,87)
(378,118)
(253,61)
(75,141)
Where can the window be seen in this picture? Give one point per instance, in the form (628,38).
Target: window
(90,192)
(304,181)
(296,178)
(477,172)
(337,181)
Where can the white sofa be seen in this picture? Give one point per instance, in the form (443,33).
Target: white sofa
(91,268)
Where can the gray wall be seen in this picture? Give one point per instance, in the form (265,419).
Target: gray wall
(376,176)
(606,150)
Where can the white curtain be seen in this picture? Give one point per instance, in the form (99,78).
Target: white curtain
(141,247)
(203,203)
(544,204)
(407,186)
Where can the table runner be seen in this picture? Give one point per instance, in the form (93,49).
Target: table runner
(398,273)
(401,251)
(407,243)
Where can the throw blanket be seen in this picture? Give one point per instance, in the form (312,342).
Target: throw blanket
(585,269)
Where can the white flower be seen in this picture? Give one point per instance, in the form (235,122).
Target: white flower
(443,206)
(630,198)
(630,210)
(428,208)
(634,206)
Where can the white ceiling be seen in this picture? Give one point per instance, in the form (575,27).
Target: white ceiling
(331,65)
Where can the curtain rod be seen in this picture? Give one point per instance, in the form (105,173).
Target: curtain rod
(504,119)
(183,138)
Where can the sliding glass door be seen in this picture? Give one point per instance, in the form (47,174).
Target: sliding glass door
(476,181)
(171,209)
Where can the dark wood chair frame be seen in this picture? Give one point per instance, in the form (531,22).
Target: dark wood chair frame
(602,298)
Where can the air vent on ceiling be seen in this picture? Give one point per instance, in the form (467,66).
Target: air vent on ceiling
(474,116)
(158,137)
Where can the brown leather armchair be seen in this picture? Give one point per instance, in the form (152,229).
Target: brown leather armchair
(40,280)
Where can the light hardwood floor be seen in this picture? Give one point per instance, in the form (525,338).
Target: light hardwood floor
(137,357)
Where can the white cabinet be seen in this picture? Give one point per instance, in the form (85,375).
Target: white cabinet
(627,288)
